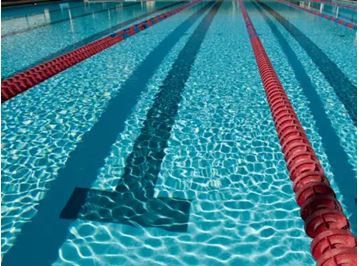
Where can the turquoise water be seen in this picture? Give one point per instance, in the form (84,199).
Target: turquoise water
(54,33)
(217,149)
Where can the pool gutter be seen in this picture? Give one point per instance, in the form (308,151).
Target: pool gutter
(26,2)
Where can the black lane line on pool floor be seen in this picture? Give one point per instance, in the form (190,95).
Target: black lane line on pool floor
(40,239)
(133,201)
(66,19)
(92,38)
(342,86)
(337,157)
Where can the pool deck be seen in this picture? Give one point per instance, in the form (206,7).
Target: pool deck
(24,2)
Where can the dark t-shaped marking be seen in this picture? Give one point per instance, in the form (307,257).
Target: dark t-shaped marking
(40,239)
(133,201)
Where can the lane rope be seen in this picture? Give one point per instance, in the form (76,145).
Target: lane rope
(95,36)
(325,222)
(23,81)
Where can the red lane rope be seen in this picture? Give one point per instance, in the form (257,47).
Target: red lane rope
(25,80)
(333,243)
(339,21)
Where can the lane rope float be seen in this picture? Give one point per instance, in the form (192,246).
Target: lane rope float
(23,81)
(325,222)
(95,36)
(339,21)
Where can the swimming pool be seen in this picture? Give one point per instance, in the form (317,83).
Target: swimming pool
(176,114)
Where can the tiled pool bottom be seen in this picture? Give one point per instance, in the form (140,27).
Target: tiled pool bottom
(222,153)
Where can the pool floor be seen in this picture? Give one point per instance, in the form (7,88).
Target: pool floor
(159,147)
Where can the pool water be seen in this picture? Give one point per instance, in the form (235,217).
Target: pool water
(176,113)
